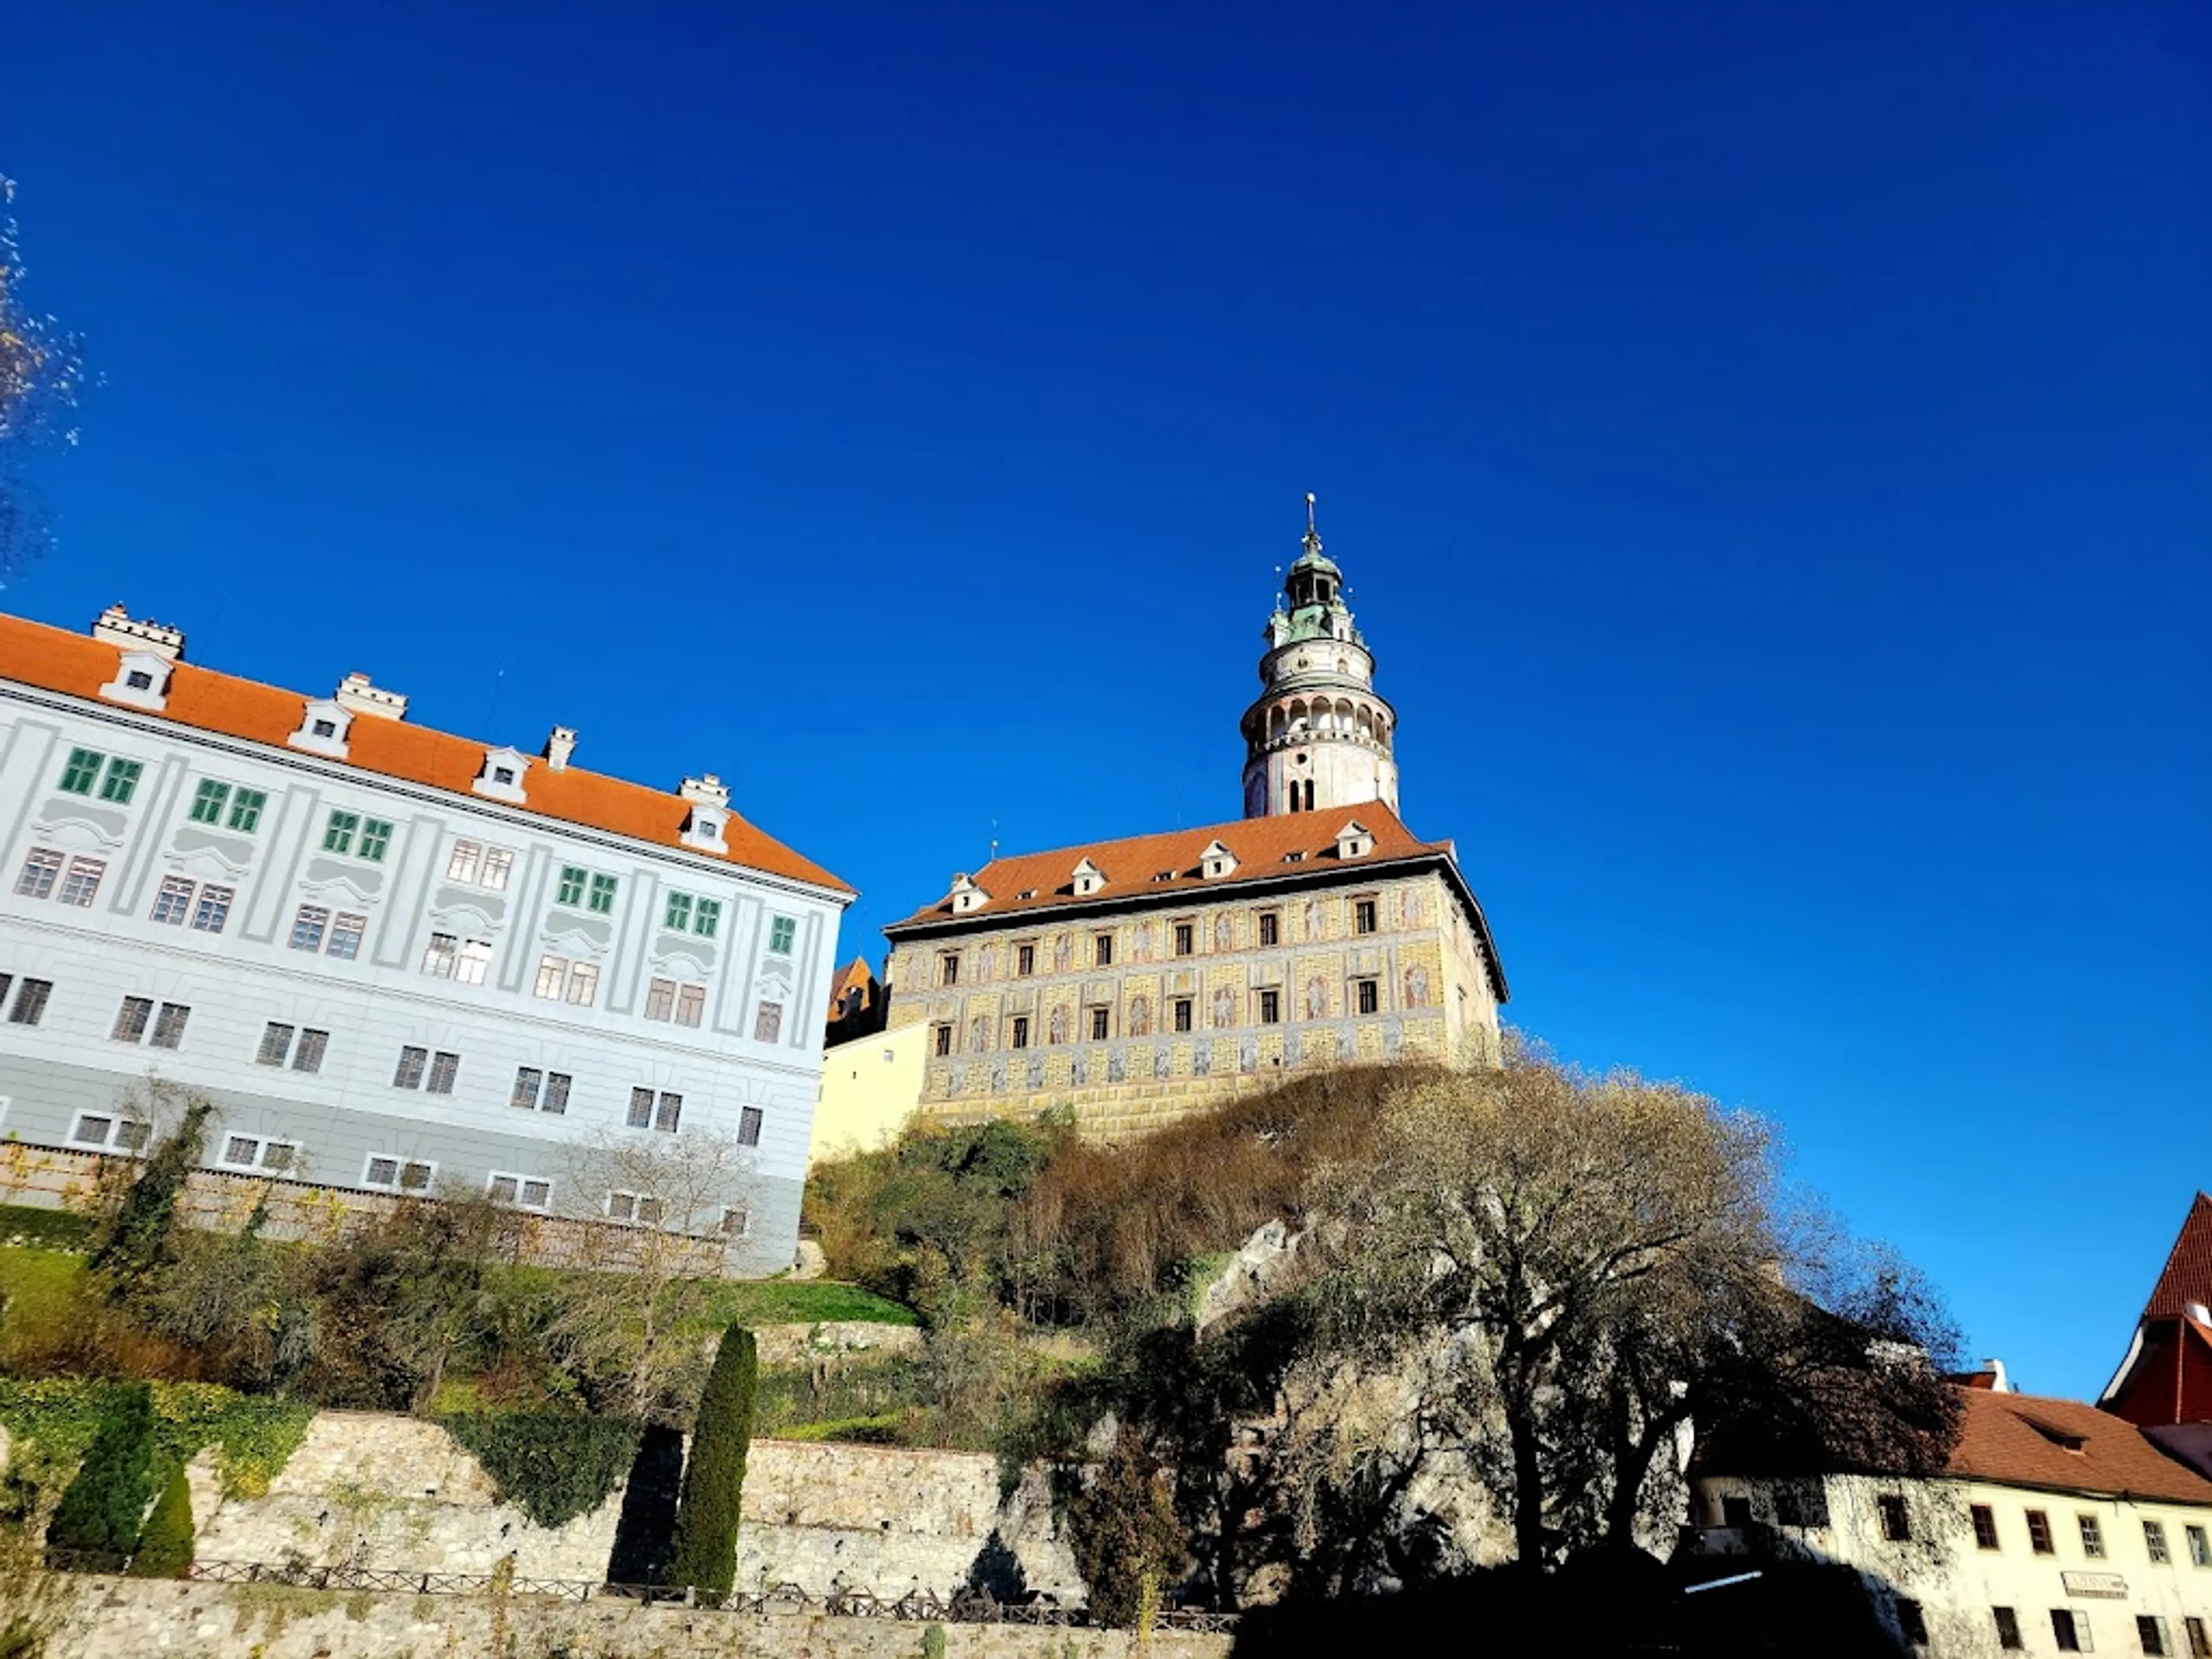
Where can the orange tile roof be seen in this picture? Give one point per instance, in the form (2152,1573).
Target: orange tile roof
(2008,1437)
(55,659)
(855,973)
(2188,1275)
(1027,883)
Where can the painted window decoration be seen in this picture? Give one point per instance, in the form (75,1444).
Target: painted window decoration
(768,1022)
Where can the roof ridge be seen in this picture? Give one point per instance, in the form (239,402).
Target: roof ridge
(1085,848)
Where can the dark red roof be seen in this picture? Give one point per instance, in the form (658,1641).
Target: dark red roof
(2026,1440)
(2188,1275)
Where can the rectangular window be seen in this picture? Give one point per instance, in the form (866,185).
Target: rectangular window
(1099,1020)
(439,955)
(602,900)
(2039,1532)
(1182,1013)
(121,781)
(583,984)
(1912,1623)
(39,872)
(257,1152)
(528,1080)
(737,1221)
(131,1018)
(213,910)
(780,933)
(2092,1536)
(556,1097)
(1021,1031)
(463,865)
(375,839)
(1186,939)
(2066,1630)
(2200,1549)
(174,901)
(641,1108)
(2150,1632)
(498,865)
(397,1175)
(677,916)
(1102,950)
(82,772)
(1985,1526)
(30,1001)
(2155,1541)
(474,961)
(941,1040)
(2007,1629)
(523,1191)
(209,800)
(668,1112)
(1896,1525)
(1363,916)
(2200,1641)
(444,1069)
(411,1062)
(275,1044)
(103,1129)
(1271,929)
(691,1004)
(948,968)
(552,977)
(339,831)
(83,881)
(768,1022)
(706,918)
(1369,995)
(1024,961)
(345,935)
(572,885)
(308,927)
(659,998)
(246,811)
(308,1056)
(1271,1008)
(748,1126)
(169,1025)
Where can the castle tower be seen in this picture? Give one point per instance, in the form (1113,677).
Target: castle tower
(1318,738)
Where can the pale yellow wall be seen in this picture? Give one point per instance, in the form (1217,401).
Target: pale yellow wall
(870,1087)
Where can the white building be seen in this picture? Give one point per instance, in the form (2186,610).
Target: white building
(393,957)
(2059,1528)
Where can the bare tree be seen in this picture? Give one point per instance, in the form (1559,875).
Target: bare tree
(41,377)
(667,1207)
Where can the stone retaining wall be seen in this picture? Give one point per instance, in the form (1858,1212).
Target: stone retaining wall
(89,1618)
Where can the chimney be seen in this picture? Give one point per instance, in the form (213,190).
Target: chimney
(559,747)
(1999,1382)
(113,626)
(358,692)
(708,791)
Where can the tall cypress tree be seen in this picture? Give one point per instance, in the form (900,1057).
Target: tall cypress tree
(705,1549)
(164,1548)
(99,1514)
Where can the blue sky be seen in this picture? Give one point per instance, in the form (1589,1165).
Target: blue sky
(1768,446)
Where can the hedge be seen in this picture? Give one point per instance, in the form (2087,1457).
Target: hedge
(704,1553)
(22,1224)
(54,1423)
(553,1468)
(101,1508)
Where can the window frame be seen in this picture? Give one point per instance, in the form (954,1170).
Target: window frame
(398,1184)
(768,1021)
(568,890)
(750,1120)
(169,1024)
(1019,1037)
(275,1050)
(1102,950)
(600,900)
(42,869)
(1186,939)
(782,935)
(121,779)
(1367,995)
(522,1184)
(445,1072)
(339,829)
(313,1044)
(210,799)
(1184,1014)
(1269,926)
(31,996)
(1366,916)
(1270,1009)
(1984,1518)
(259,1163)
(247,807)
(2155,1544)
(81,771)
(1896,1519)
(2092,1536)
(2041,1541)
(136,1013)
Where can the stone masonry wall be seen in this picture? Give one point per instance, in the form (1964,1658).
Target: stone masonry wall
(93,1618)
(399,1492)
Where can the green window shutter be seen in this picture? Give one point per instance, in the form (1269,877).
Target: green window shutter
(82,771)
(376,836)
(602,894)
(246,809)
(338,835)
(678,915)
(572,885)
(121,783)
(709,918)
(780,935)
(208,801)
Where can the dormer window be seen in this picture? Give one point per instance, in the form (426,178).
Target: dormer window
(1354,841)
(323,726)
(142,680)
(504,774)
(1217,862)
(967,896)
(1089,879)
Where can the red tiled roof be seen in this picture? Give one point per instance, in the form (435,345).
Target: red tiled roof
(2188,1275)
(54,660)
(2026,1440)
(1149,867)
(855,973)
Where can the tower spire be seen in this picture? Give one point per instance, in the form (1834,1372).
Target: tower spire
(1313,536)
